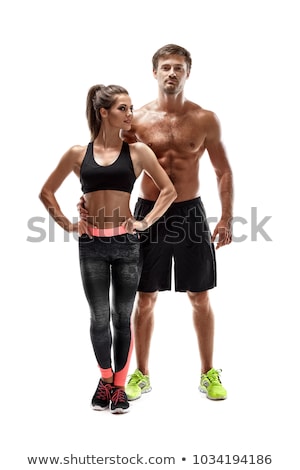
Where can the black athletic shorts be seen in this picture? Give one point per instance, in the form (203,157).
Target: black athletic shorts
(181,236)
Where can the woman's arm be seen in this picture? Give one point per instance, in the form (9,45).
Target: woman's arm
(146,160)
(69,162)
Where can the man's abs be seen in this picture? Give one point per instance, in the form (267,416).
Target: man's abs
(184,174)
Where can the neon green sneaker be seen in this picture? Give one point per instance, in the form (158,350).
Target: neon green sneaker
(211,385)
(138,383)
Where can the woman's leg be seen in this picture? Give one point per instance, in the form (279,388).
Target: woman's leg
(95,274)
(125,278)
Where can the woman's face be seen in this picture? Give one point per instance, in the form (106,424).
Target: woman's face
(121,112)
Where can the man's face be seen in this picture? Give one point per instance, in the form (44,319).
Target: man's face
(171,73)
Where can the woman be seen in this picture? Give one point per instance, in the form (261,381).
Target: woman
(108,239)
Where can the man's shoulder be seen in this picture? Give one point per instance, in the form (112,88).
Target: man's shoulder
(192,106)
(198,112)
(150,105)
(145,109)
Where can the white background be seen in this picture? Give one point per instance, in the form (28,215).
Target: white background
(246,69)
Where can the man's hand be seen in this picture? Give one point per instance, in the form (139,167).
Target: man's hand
(223,231)
(132,225)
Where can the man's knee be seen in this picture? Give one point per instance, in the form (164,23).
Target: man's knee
(199,300)
(146,302)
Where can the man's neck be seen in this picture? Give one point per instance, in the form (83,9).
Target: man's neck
(170,103)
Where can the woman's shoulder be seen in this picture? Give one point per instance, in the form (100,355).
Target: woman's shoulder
(138,147)
(141,153)
(74,155)
(76,151)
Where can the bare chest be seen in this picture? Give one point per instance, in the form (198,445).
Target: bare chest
(176,136)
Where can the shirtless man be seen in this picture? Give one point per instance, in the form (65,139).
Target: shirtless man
(179,132)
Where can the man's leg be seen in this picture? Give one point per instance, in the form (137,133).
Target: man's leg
(143,323)
(143,328)
(203,316)
(204,325)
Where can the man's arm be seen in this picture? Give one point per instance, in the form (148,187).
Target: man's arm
(219,160)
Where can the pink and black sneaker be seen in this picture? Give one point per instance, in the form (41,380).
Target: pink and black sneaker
(101,398)
(119,401)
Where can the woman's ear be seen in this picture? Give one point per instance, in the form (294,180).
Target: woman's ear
(103,113)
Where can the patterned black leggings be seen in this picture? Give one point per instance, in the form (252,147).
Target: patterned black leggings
(110,271)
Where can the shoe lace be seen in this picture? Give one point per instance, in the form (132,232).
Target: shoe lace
(214,377)
(118,396)
(135,378)
(103,391)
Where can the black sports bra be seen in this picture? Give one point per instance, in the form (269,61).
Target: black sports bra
(119,175)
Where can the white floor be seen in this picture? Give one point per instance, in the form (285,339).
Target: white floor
(52,376)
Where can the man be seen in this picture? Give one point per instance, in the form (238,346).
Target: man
(179,131)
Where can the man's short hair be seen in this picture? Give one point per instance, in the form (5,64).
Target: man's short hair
(172,49)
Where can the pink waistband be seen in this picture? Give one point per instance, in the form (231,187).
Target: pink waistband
(107,232)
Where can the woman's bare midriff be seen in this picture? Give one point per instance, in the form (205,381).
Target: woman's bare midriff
(107,208)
